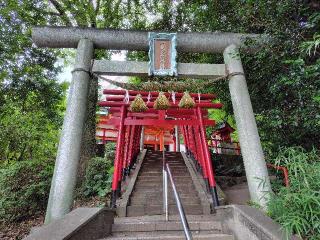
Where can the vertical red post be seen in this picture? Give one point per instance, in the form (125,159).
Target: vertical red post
(191,140)
(186,143)
(211,179)
(136,147)
(194,141)
(117,161)
(188,137)
(201,153)
(161,140)
(126,144)
(131,143)
(104,136)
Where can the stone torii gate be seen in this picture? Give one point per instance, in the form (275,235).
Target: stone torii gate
(88,39)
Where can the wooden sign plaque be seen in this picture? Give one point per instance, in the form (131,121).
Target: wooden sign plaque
(162,54)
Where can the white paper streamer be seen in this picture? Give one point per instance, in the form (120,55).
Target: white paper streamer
(149,98)
(126,97)
(173,96)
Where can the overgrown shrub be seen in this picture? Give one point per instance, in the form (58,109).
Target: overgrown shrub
(24,189)
(228,165)
(98,177)
(297,208)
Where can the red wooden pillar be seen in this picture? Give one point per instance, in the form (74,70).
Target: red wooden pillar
(201,154)
(104,136)
(188,137)
(161,140)
(186,143)
(191,140)
(138,136)
(136,141)
(126,144)
(131,143)
(118,158)
(194,141)
(210,171)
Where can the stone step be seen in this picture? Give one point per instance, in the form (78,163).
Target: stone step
(160,164)
(176,169)
(160,196)
(180,189)
(159,174)
(153,197)
(158,185)
(159,169)
(160,218)
(155,201)
(156,191)
(181,178)
(141,210)
(149,177)
(159,178)
(150,226)
(178,235)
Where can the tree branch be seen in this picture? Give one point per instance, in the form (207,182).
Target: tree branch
(61,12)
(92,15)
(97,7)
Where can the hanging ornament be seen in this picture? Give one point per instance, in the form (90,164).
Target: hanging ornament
(161,103)
(138,105)
(186,101)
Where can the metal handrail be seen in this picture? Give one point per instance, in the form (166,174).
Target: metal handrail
(166,173)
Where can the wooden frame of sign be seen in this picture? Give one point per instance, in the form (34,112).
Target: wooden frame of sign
(162,54)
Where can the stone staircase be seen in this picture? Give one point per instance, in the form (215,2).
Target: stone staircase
(144,213)
(203,227)
(147,198)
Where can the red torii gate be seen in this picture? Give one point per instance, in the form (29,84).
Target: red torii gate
(192,123)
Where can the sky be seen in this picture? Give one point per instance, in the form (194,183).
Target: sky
(65,75)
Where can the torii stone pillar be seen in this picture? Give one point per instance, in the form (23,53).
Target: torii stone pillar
(65,171)
(253,158)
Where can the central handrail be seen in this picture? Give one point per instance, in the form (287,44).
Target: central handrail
(166,173)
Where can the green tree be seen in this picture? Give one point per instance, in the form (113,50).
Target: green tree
(282,77)
(31,100)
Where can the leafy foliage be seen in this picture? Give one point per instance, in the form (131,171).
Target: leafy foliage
(24,189)
(98,177)
(297,207)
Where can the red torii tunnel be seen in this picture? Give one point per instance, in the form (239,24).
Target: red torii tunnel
(191,123)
